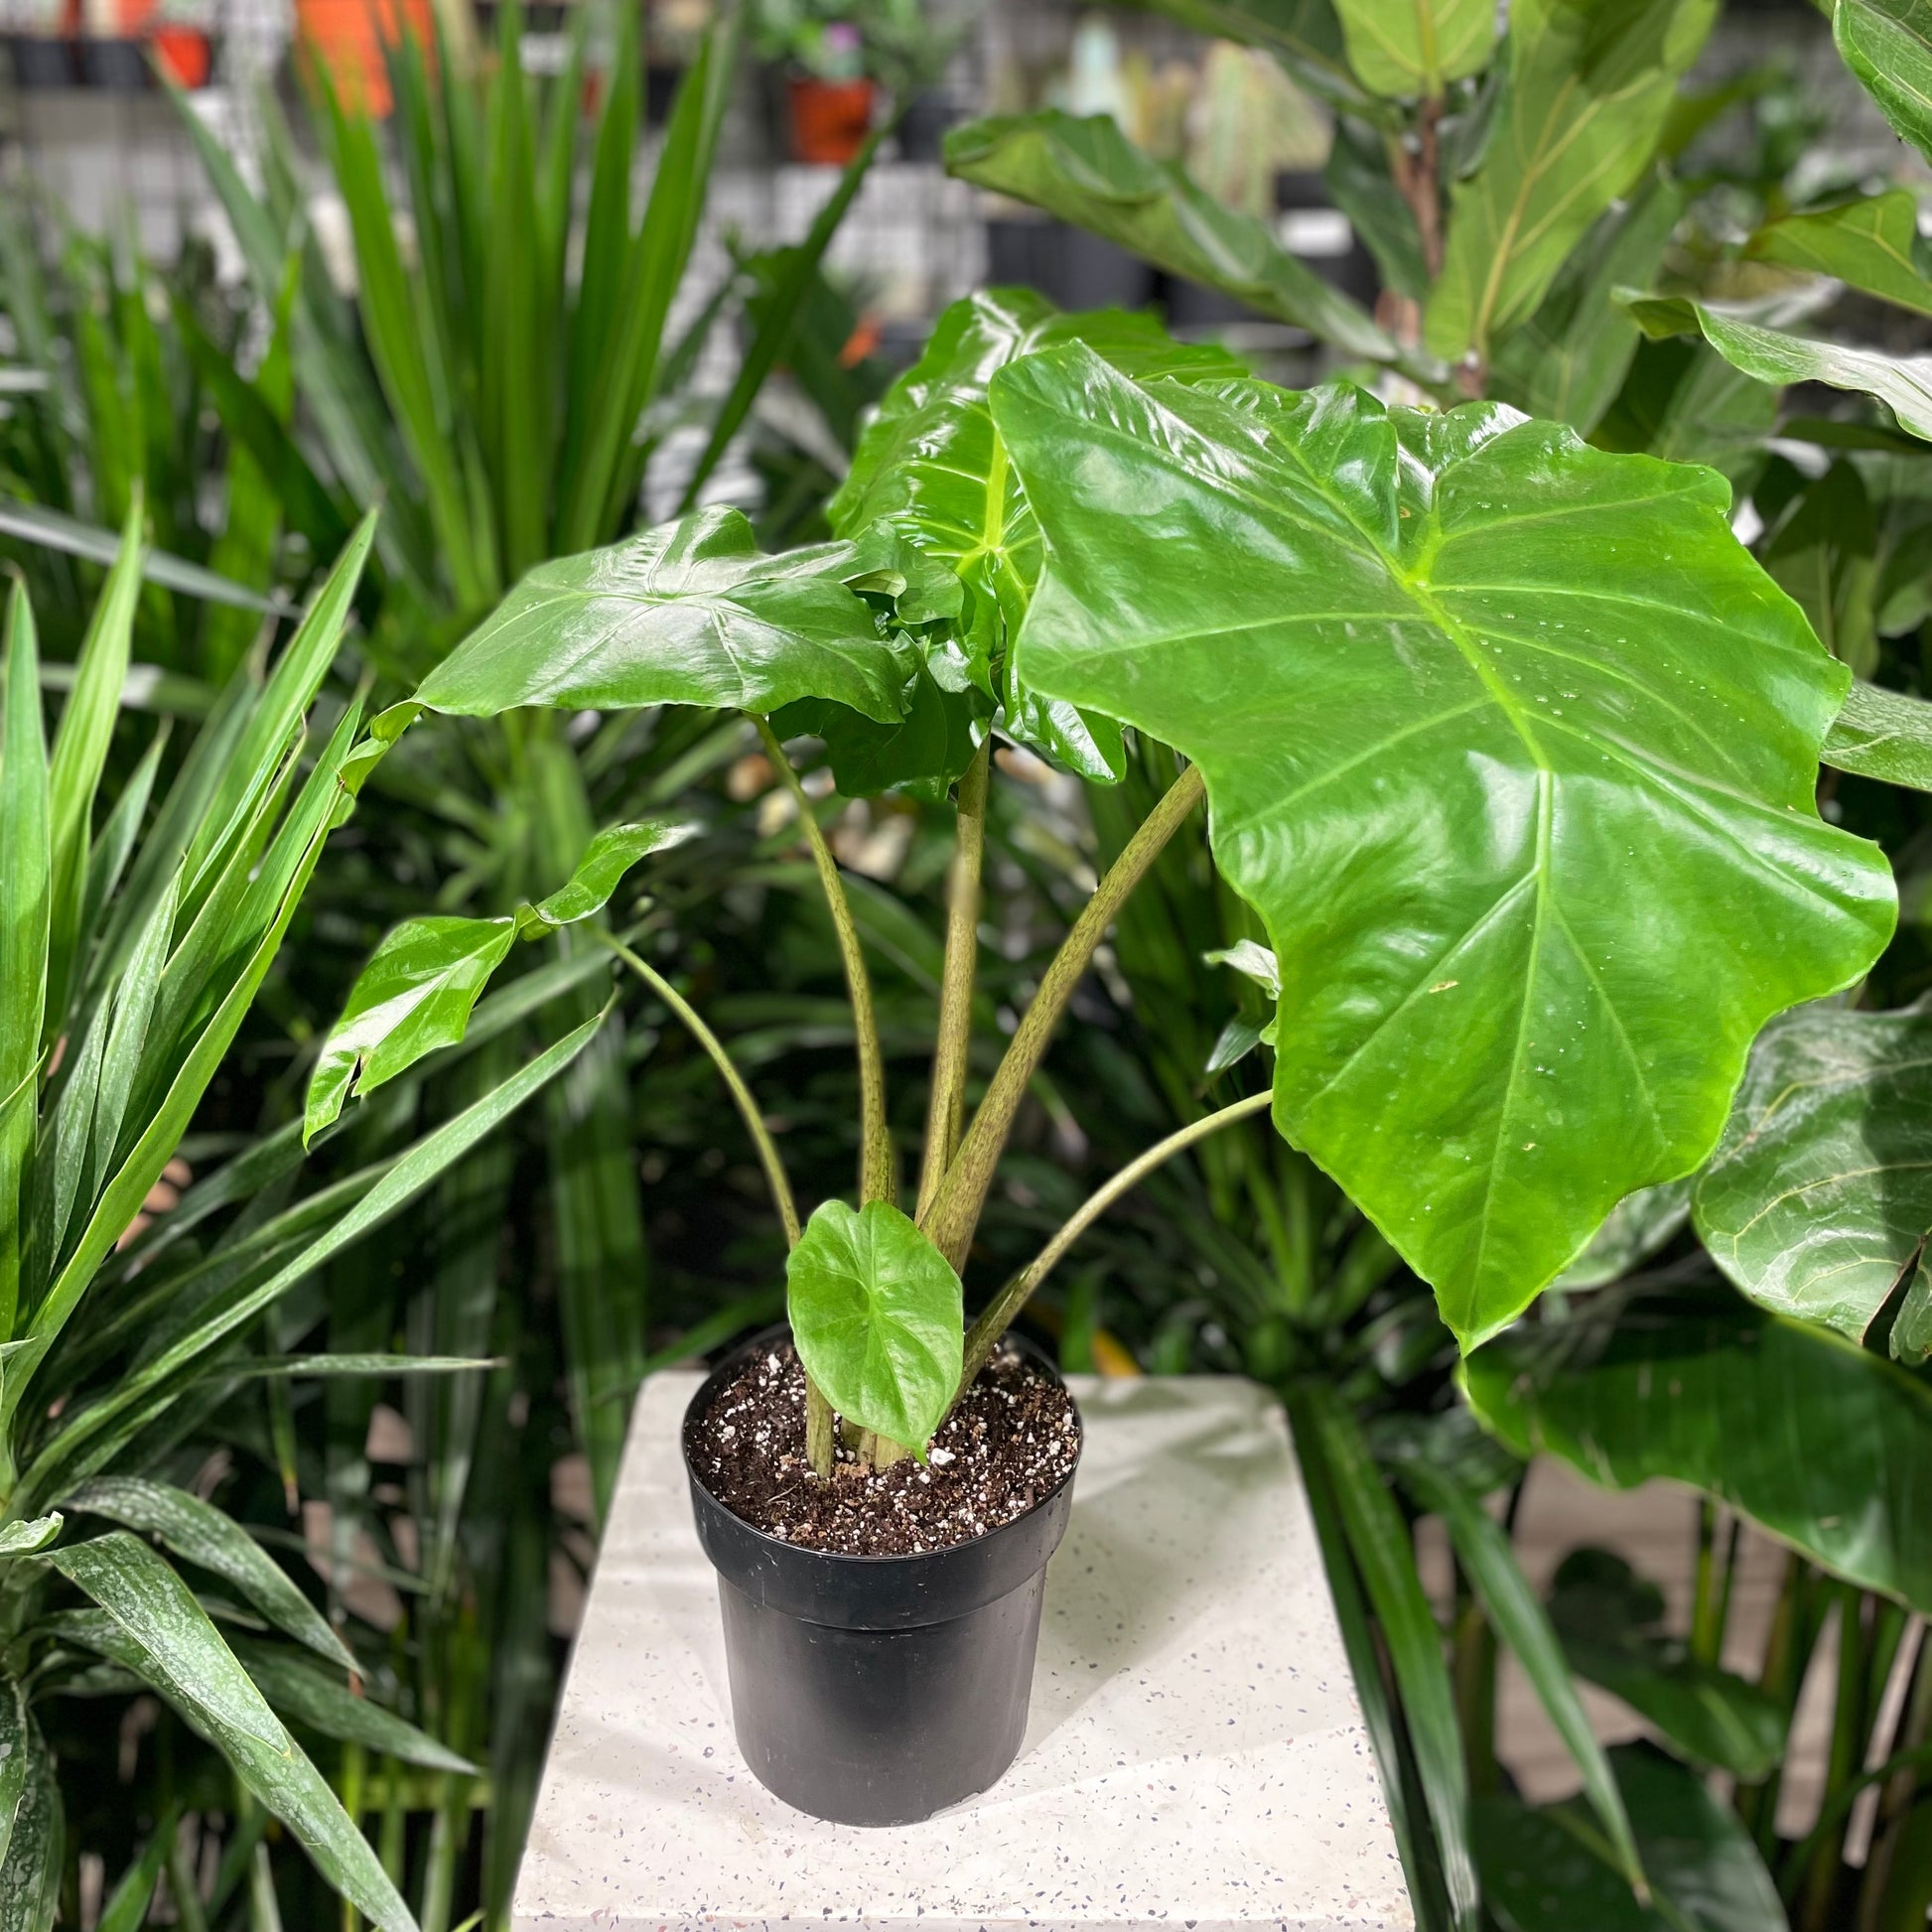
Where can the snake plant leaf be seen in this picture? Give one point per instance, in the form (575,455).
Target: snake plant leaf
(1089,173)
(1611,1622)
(1902,382)
(1546,1869)
(1588,88)
(607,857)
(414,996)
(930,467)
(1882,734)
(687,613)
(31,1850)
(1677,1382)
(1887,43)
(159,1631)
(1871,243)
(1415,50)
(879,1319)
(1498,732)
(1820,1194)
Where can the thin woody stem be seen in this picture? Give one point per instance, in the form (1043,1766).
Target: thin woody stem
(999,1314)
(955,1209)
(818,1411)
(874,1141)
(946,1112)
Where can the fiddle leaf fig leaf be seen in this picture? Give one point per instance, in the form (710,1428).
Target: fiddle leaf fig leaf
(1585,96)
(1089,173)
(878,1320)
(1887,43)
(1497,731)
(607,857)
(1872,244)
(1820,1194)
(687,613)
(414,996)
(1903,383)
(1408,50)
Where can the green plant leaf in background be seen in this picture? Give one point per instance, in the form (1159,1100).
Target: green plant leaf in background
(32,1851)
(1546,1869)
(1415,48)
(1678,1382)
(305,1695)
(607,857)
(1882,734)
(879,1319)
(1871,243)
(1638,1226)
(688,612)
(1902,382)
(1611,1622)
(1088,172)
(1588,87)
(1820,1194)
(1446,678)
(1887,43)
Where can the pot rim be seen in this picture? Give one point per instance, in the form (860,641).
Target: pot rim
(781,1331)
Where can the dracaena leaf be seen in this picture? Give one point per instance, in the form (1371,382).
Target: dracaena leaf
(414,996)
(687,613)
(30,1822)
(1887,43)
(1677,1382)
(308,1695)
(1820,1194)
(1498,732)
(877,1318)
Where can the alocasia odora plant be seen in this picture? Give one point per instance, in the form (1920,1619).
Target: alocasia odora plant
(1508,741)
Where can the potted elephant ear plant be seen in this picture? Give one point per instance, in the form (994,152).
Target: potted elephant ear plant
(1494,731)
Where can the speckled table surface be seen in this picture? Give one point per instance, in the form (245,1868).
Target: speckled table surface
(1195,1752)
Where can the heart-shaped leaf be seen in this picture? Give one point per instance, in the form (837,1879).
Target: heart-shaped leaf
(1498,733)
(687,613)
(607,857)
(878,1320)
(1820,1194)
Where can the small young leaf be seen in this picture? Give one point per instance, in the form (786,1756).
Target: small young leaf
(414,996)
(877,1317)
(608,858)
(1252,959)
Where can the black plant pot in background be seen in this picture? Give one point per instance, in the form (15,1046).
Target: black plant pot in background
(877,1690)
(40,61)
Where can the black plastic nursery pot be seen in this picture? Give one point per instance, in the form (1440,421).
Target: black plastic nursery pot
(877,1690)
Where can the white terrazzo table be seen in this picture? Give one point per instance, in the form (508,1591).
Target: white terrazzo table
(1195,1752)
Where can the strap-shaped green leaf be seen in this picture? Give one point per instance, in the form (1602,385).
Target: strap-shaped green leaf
(1677,1382)
(1588,88)
(31,1849)
(307,1695)
(687,613)
(1820,1194)
(1416,46)
(1887,43)
(163,1635)
(877,1317)
(205,1535)
(1497,731)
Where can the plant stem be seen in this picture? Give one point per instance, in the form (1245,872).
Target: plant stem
(1001,1311)
(875,1138)
(946,1112)
(955,1209)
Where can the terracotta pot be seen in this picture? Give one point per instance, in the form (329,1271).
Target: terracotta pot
(184,53)
(347,37)
(830,119)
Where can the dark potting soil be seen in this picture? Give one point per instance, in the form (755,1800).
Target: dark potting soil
(1009,1443)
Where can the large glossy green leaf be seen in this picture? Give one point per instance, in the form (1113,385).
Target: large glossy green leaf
(156,1628)
(931,467)
(877,1317)
(414,996)
(1887,43)
(1820,1194)
(688,612)
(1088,172)
(1882,734)
(1871,243)
(1546,1871)
(1902,382)
(1678,1383)
(1588,87)
(1415,47)
(204,1535)
(1611,1622)
(1568,359)
(1498,732)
